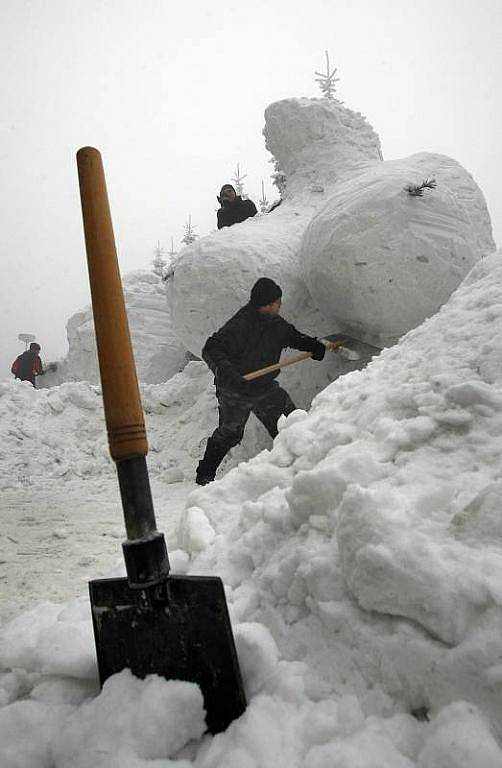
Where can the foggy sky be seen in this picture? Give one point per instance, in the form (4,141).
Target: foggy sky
(173,95)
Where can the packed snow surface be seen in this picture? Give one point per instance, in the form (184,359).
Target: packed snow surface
(362,558)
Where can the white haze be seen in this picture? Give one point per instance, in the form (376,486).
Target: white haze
(173,94)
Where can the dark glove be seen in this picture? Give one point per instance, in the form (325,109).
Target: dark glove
(228,378)
(318,350)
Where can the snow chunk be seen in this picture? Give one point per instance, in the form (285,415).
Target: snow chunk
(132,718)
(52,640)
(460,737)
(258,655)
(196,532)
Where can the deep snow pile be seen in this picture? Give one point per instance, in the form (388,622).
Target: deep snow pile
(157,350)
(59,433)
(363,562)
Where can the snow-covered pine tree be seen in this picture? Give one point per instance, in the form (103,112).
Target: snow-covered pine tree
(263,202)
(238,181)
(327,81)
(159,262)
(189,237)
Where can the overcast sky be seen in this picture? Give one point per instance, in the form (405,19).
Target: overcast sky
(173,92)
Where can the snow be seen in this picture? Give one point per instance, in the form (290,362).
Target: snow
(157,351)
(378,261)
(314,141)
(361,552)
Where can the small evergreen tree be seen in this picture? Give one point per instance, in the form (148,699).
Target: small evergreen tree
(263,202)
(417,190)
(159,261)
(327,81)
(172,253)
(238,181)
(189,237)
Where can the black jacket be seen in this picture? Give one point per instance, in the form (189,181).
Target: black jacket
(252,340)
(235,212)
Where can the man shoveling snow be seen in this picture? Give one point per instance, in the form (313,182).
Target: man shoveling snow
(253,338)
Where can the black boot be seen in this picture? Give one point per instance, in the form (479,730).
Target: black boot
(213,456)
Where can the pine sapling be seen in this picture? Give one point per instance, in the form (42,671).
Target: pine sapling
(263,200)
(159,261)
(418,190)
(238,181)
(189,237)
(327,81)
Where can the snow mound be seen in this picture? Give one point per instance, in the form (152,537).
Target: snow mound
(378,261)
(157,350)
(368,496)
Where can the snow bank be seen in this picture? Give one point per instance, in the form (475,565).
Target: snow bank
(379,493)
(361,581)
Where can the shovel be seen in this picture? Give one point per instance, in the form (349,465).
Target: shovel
(151,622)
(351,350)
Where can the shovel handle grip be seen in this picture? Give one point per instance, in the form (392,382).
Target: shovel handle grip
(123,412)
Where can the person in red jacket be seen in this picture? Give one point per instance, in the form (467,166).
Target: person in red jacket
(28,365)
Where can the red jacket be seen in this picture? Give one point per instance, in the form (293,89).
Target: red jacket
(27,366)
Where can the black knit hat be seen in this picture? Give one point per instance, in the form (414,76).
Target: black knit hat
(227,186)
(264,292)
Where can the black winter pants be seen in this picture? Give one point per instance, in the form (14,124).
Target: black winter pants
(234,412)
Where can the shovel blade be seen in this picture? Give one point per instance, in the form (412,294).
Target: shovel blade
(179,629)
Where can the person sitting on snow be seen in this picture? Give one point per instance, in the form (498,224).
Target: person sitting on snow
(253,338)
(233,208)
(28,365)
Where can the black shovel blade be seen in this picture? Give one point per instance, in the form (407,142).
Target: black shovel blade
(179,629)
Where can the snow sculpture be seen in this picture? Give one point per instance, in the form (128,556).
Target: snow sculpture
(378,260)
(351,248)
(313,141)
(157,351)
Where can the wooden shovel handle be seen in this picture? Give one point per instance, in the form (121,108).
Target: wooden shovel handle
(276,366)
(285,363)
(123,412)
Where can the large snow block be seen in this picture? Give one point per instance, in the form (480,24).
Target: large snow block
(213,277)
(378,261)
(314,140)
